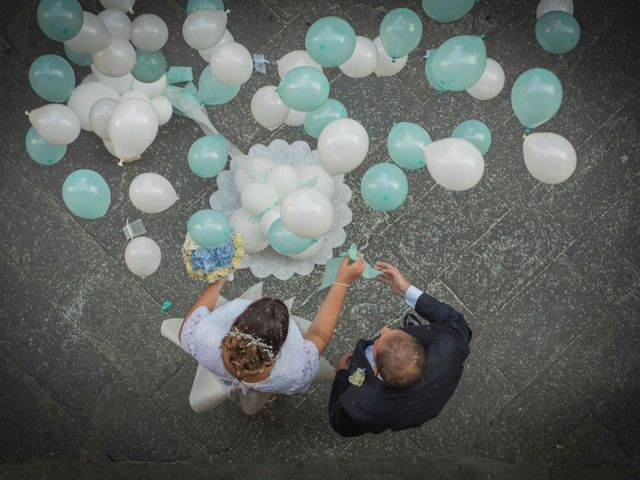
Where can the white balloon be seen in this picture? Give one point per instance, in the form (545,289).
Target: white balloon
(152,193)
(117,22)
(132,127)
(268,219)
(257,197)
(152,89)
(546,6)
(99,116)
(124,5)
(231,63)
(135,94)
(323,181)
(309,252)
(204,28)
(121,84)
(117,59)
(454,163)
(149,32)
(549,157)
(163,109)
(89,78)
(295,118)
(268,109)
(252,169)
(284,178)
(490,83)
(386,65)
(342,146)
(85,95)
(294,59)
(363,61)
(142,256)
(307,213)
(243,224)
(92,37)
(206,53)
(56,123)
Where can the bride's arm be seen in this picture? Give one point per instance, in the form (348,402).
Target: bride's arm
(321,330)
(208,298)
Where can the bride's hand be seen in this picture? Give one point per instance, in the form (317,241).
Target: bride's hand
(350,272)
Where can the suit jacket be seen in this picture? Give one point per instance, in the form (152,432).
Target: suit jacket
(372,408)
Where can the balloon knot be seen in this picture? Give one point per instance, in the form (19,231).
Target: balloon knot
(527,131)
(228,11)
(120,162)
(26,113)
(131,12)
(483,36)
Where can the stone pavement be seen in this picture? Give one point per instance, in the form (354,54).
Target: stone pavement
(547,276)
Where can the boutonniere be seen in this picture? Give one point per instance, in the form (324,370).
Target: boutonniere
(357,377)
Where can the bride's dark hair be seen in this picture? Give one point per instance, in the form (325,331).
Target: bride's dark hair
(267,321)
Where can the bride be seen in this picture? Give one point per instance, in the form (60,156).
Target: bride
(257,349)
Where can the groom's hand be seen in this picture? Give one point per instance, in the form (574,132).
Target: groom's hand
(392,278)
(343,363)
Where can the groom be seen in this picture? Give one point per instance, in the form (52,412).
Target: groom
(405,376)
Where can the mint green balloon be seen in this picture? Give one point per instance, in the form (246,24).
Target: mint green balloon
(212,92)
(193,5)
(60,20)
(304,89)
(150,66)
(330,41)
(406,143)
(41,151)
(428,71)
(316,120)
(384,187)
(475,132)
(536,97)
(86,194)
(209,228)
(52,78)
(208,156)
(82,59)
(400,32)
(285,242)
(459,62)
(447,10)
(557,32)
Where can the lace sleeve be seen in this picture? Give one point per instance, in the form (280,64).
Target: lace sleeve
(188,335)
(310,364)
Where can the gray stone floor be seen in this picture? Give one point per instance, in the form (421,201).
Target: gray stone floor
(548,277)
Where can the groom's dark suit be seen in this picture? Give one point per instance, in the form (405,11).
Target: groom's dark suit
(373,408)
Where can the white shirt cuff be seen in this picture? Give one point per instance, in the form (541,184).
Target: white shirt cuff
(412,295)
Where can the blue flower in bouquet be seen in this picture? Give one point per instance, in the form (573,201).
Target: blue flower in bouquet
(210,259)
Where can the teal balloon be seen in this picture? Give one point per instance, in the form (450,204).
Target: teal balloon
(82,59)
(459,62)
(304,89)
(400,32)
(86,194)
(60,20)
(212,92)
(193,5)
(428,71)
(536,97)
(406,143)
(285,242)
(52,78)
(209,228)
(384,187)
(150,66)
(41,151)
(447,10)
(316,120)
(475,132)
(208,156)
(557,32)
(330,41)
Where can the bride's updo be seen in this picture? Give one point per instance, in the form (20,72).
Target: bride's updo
(256,337)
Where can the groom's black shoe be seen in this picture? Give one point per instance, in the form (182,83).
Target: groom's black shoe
(410,320)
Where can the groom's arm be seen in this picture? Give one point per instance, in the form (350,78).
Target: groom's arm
(338,417)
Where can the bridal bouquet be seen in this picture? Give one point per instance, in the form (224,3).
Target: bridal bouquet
(212,264)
